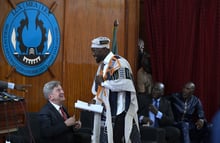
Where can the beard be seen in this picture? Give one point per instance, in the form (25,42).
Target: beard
(99,59)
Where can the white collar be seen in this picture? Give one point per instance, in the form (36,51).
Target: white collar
(56,106)
(158,99)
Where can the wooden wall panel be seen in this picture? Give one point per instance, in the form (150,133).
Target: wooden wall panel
(131,33)
(34,96)
(88,20)
(80,21)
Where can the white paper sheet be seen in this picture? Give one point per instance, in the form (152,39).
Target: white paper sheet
(90,107)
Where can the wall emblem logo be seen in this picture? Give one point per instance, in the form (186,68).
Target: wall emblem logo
(30,38)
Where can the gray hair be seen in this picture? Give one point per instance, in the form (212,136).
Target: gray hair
(48,88)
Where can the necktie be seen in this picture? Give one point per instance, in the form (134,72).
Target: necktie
(156,104)
(63,114)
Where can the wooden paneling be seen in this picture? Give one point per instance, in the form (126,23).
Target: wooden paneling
(80,21)
(34,96)
(12,114)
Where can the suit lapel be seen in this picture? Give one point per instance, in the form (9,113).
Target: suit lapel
(54,111)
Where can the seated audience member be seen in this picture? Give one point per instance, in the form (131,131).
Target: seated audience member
(56,125)
(215,137)
(189,115)
(156,111)
(144,77)
(10,85)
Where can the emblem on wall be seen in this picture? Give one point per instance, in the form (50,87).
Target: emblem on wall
(30,38)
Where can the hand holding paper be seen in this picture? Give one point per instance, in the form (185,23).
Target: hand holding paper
(90,107)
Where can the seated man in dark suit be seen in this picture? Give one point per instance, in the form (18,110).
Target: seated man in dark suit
(189,115)
(156,112)
(56,125)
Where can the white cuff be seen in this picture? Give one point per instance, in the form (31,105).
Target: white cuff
(159,115)
(141,118)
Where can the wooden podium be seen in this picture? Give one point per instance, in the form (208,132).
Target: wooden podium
(12,116)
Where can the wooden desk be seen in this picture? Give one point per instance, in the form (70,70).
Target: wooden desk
(12,116)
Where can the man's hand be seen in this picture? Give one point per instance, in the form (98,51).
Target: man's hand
(77,124)
(147,120)
(22,87)
(92,102)
(199,123)
(153,109)
(70,121)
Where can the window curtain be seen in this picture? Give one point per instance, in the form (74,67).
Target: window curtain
(183,39)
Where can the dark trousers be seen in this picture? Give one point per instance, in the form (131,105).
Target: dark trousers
(201,135)
(118,130)
(172,134)
(190,134)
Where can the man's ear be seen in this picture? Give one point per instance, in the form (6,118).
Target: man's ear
(50,97)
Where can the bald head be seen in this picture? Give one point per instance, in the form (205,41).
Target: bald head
(158,90)
(188,89)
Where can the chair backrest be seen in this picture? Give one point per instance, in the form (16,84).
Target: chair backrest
(30,133)
(32,118)
(86,118)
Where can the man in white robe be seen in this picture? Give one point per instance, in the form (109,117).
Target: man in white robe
(113,88)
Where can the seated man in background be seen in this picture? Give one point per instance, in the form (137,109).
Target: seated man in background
(55,123)
(189,115)
(155,111)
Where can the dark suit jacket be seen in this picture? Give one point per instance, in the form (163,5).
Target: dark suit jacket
(52,126)
(145,100)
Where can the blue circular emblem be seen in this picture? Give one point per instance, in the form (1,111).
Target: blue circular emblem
(30,38)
